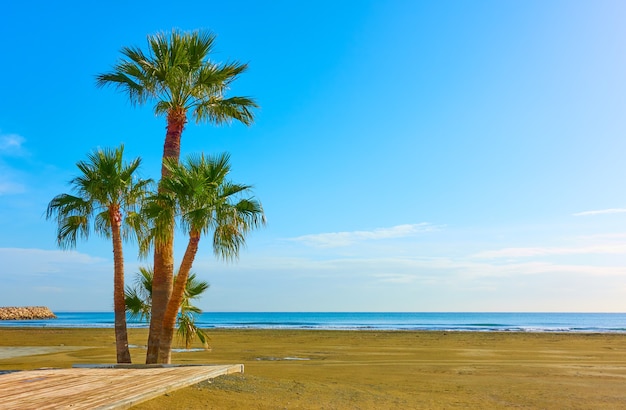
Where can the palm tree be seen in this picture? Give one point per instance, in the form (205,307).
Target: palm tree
(139,303)
(207,203)
(187,330)
(178,75)
(186,322)
(107,193)
(139,298)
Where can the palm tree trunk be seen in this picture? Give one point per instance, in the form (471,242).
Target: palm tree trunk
(119,306)
(164,253)
(169,319)
(161,289)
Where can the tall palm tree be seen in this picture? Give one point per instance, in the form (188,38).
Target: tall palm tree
(107,194)
(207,202)
(176,72)
(139,303)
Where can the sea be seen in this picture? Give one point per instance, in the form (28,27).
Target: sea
(356,321)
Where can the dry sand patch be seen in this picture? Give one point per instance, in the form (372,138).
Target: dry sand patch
(9,352)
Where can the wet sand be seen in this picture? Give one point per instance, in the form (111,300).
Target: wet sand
(311,369)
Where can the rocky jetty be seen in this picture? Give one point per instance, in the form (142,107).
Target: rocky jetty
(26,313)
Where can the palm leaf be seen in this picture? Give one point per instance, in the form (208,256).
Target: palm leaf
(177,73)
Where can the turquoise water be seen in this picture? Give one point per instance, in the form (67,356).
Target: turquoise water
(514,322)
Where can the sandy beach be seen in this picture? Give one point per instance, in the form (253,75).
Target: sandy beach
(305,369)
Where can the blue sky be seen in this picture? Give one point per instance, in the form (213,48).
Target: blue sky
(410,156)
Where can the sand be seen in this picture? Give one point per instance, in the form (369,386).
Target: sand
(310,369)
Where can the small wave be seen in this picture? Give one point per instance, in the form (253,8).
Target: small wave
(448,322)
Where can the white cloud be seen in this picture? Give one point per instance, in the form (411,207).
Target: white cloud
(407,283)
(421,270)
(603,236)
(538,268)
(27,261)
(395,278)
(601,212)
(9,187)
(61,280)
(11,144)
(49,289)
(614,249)
(338,239)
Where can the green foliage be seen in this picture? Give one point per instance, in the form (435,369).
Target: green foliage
(106,197)
(199,193)
(139,298)
(187,330)
(177,73)
(105,187)
(139,304)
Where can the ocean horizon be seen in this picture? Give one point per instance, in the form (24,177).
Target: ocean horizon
(424,321)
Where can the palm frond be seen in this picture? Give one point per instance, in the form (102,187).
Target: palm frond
(136,305)
(139,303)
(176,72)
(188,331)
(199,45)
(159,210)
(135,227)
(194,287)
(105,186)
(206,201)
(102,224)
(70,229)
(72,215)
(144,282)
(223,111)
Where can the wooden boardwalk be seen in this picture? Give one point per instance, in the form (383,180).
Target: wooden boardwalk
(99,388)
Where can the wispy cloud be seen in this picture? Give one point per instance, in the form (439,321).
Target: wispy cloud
(601,212)
(49,289)
(396,278)
(8,187)
(512,253)
(11,144)
(338,239)
(61,280)
(44,262)
(382,280)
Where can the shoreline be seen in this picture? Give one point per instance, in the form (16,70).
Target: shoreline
(330,329)
(367,369)
(338,330)
(358,321)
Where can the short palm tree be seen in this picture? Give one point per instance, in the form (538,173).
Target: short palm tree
(206,202)
(176,72)
(186,327)
(139,303)
(106,196)
(139,298)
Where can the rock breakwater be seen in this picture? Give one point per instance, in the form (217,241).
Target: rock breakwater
(26,313)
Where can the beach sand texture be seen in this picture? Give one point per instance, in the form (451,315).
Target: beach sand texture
(312,369)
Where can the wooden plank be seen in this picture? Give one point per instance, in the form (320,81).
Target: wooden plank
(99,388)
(152,384)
